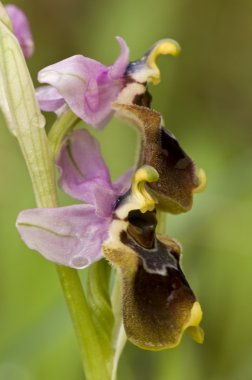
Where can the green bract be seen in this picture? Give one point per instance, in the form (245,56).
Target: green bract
(22,114)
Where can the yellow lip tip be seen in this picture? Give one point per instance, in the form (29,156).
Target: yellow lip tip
(196,315)
(202,180)
(192,325)
(169,46)
(197,334)
(163,47)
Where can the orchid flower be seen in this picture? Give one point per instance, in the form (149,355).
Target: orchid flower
(89,88)
(73,235)
(21,29)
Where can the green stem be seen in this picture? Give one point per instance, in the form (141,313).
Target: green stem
(120,344)
(62,125)
(91,351)
(119,337)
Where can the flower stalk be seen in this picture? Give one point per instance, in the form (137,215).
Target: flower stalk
(119,337)
(63,124)
(91,350)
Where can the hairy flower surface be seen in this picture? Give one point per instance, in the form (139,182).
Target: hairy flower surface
(73,235)
(89,88)
(21,29)
(160,149)
(158,303)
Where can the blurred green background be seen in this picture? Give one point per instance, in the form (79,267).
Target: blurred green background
(205,98)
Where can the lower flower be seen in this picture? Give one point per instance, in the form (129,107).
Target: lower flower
(158,303)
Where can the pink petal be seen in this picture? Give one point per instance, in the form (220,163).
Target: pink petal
(84,174)
(49,99)
(87,86)
(21,29)
(123,183)
(117,70)
(70,236)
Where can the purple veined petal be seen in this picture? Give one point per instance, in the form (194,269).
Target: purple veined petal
(104,95)
(109,84)
(118,69)
(87,86)
(122,184)
(83,172)
(21,29)
(98,194)
(70,236)
(49,99)
(72,78)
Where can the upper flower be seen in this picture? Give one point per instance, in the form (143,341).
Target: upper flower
(73,235)
(21,29)
(85,85)
(89,88)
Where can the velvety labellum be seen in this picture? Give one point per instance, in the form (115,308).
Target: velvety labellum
(157,299)
(161,150)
